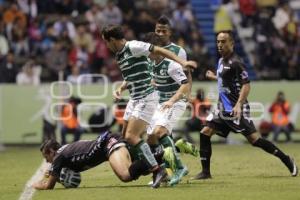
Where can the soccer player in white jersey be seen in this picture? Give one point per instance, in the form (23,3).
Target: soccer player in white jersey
(173,87)
(164,30)
(132,57)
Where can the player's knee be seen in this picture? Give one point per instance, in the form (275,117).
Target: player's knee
(160,132)
(125,177)
(207,131)
(253,138)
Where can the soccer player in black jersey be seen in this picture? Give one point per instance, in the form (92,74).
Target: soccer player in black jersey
(233,113)
(85,154)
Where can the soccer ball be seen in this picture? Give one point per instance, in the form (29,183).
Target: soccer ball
(69,179)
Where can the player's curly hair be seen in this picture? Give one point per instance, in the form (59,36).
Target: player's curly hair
(49,144)
(112,31)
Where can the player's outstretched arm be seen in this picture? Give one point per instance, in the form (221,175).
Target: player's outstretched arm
(118,92)
(168,54)
(182,93)
(45,184)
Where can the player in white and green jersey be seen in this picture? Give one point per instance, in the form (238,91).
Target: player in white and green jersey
(133,62)
(173,87)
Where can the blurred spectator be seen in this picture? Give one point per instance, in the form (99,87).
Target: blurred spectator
(281,17)
(156,8)
(200,110)
(3,46)
(222,19)
(112,70)
(35,37)
(65,7)
(56,60)
(112,13)
(248,10)
(8,69)
(79,57)
(76,78)
(83,38)
(280,110)
(95,18)
(48,38)
(100,55)
(12,13)
(69,119)
(182,18)
(30,74)
(64,24)
(73,77)
(29,7)
(143,24)
(128,9)
(19,43)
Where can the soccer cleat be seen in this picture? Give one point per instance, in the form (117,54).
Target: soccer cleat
(186,147)
(202,176)
(159,175)
(176,178)
(291,165)
(169,157)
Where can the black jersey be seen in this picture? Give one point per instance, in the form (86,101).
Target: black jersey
(84,154)
(231,76)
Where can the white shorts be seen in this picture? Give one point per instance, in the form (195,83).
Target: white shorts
(143,108)
(167,118)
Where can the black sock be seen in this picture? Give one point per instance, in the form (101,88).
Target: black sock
(272,149)
(205,152)
(138,168)
(158,152)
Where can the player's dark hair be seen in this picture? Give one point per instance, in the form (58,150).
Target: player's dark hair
(112,31)
(228,32)
(50,144)
(164,20)
(153,38)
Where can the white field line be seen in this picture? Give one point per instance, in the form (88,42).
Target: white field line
(28,190)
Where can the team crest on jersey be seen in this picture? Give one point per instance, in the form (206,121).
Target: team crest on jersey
(163,71)
(244,75)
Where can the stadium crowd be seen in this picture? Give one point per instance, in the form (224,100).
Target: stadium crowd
(40,38)
(277,38)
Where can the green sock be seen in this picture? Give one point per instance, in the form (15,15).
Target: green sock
(144,152)
(133,152)
(167,141)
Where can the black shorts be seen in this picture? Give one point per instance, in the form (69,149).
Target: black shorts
(111,142)
(225,123)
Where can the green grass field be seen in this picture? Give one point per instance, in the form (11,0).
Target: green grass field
(240,172)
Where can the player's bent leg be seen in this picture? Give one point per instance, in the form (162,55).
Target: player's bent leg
(269,147)
(205,153)
(124,128)
(135,129)
(120,162)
